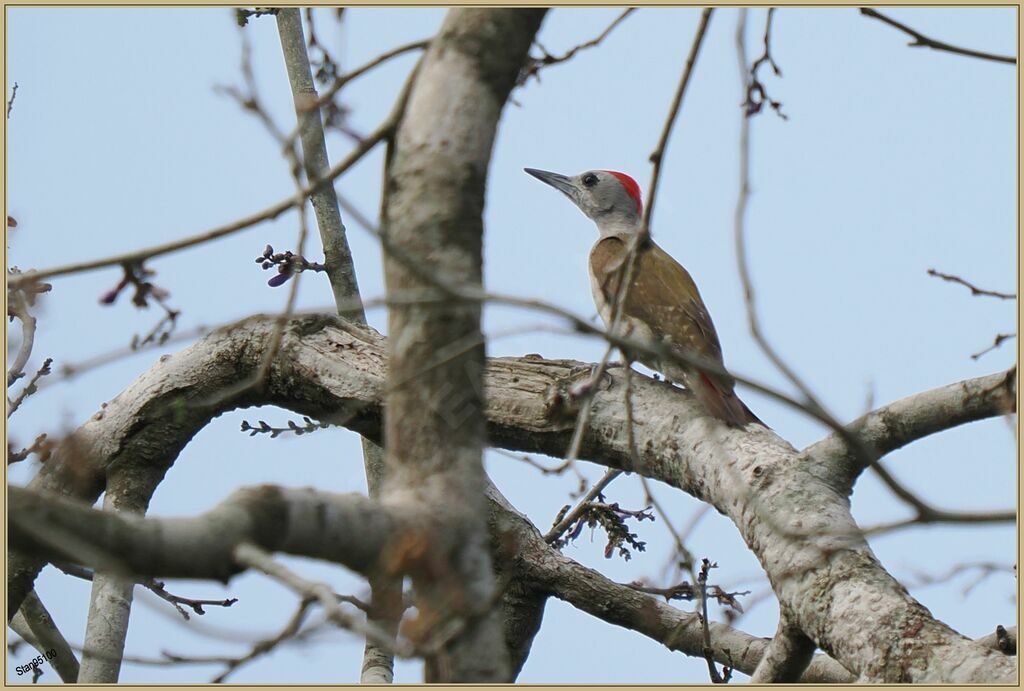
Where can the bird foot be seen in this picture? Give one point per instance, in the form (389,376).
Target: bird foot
(589,383)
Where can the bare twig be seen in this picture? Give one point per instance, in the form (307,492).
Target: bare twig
(983,569)
(262,427)
(18,303)
(154,586)
(195,604)
(30,388)
(709,652)
(920,40)
(572,516)
(926,513)
(290,630)
(811,403)
(10,101)
(585,392)
(267,214)
(659,152)
(344,79)
(757,94)
(253,557)
(975,290)
(41,445)
(683,556)
(549,59)
(998,341)
(937,516)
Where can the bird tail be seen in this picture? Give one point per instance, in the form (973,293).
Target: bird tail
(723,403)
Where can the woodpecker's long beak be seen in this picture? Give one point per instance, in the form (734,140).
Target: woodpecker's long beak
(560,182)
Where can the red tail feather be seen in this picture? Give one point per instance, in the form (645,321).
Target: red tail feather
(723,403)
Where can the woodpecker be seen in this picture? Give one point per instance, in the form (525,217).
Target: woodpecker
(663,304)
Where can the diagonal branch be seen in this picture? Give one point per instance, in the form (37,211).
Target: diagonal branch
(789,653)
(920,40)
(36,626)
(267,214)
(549,59)
(895,425)
(378,664)
(658,155)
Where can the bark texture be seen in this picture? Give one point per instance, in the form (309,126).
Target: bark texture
(435,427)
(782,500)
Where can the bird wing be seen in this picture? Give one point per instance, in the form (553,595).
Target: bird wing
(663,296)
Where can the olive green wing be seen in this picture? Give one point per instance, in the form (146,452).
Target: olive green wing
(662,295)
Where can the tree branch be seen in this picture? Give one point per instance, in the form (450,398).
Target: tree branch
(920,40)
(975,290)
(378,663)
(332,370)
(548,59)
(788,655)
(294,521)
(622,605)
(340,268)
(268,214)
(658,155)
(435,426)
(895,425)
(36,626)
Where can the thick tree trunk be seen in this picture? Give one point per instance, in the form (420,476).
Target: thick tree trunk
(434,429)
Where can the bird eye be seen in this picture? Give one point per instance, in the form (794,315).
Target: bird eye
(589,180)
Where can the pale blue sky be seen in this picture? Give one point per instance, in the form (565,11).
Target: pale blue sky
(894,160)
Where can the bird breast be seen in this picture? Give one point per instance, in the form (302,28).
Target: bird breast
(629,327)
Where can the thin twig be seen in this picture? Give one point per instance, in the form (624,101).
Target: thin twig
(975,290)
(341,81)
(157,588)
(757,93)
(253,557)
(586,392)
(811,403)
(709,653)
(572,516)
(999,339)
(290,630)
(681,550)
(740,232)
(267,214)
(926,513)
(41,445)
(549,59)
(17,306)
(920,40)
(949,517)
(30,388)
(10,101)
(984,569)
(659,152)
(627,269)
(195,604)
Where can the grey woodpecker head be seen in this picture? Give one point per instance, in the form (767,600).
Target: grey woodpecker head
(609,198)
